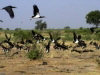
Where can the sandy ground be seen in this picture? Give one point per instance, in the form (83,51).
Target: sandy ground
(59,62)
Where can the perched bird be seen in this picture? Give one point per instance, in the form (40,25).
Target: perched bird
(9,10)
(36,12)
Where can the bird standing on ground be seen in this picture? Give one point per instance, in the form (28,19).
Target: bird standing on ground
(36,12)
(9,10)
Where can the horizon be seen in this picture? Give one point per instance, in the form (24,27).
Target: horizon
(59,14)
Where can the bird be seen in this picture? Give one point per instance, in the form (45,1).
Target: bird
(51,37)
(76,38)
(48,47)
(36,12)
(97,46)
(37,36)
(92,29)
(1,21)
(9,9)
(6,44)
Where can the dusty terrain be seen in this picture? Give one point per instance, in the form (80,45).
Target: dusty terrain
(59,62)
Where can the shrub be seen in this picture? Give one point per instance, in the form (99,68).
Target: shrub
(22,34)
(35,54)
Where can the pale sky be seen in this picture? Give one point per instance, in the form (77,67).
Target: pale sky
(58,13)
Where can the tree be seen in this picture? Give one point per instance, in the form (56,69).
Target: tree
(40,25)
(16,29)
(93,17)
(7,29)
(67,27)
(1,28)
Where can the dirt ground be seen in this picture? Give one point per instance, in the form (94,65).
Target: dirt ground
(58,62)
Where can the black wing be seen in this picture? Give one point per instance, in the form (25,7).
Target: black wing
(1,20)
(58,38)
(8,38)
(79,37)
(40,36)
(33,33)
(36,10)
(10,11)
(75,36)
(50,36)
(92,29)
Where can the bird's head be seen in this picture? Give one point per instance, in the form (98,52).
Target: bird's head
(13,7)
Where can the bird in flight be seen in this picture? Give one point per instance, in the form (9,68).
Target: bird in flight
(77,38)
(36,12)
(1,20)
(9,10)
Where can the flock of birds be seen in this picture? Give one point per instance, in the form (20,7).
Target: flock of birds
(9,10)
(7,45)
(38,37)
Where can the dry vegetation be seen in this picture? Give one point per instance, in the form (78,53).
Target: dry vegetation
(57,62)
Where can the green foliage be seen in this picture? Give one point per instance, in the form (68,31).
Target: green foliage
(17,29)
(22,34)
(93,17)
(67,27)
(56,34)
(40,25)
(1,28)
(35,54)
(7,29)
(69,37)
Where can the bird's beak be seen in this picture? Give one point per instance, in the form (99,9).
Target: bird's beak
(14,7)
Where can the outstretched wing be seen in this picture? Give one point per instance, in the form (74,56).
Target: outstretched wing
(51,37)
(58,38)
(79,37)
(8,38)
(75,36)
(10,11)
(33,33)
(1,20)
(36,10)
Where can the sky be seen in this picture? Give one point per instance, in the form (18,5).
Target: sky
(58,13)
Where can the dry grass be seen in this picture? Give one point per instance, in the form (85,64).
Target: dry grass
(59,62)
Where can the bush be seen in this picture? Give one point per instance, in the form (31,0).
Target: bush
(23,34)
(34,54)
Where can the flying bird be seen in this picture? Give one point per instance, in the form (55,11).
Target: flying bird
(1,20)
(76,38)
(9,9)
(36,12)
(48,47)
(51,37)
